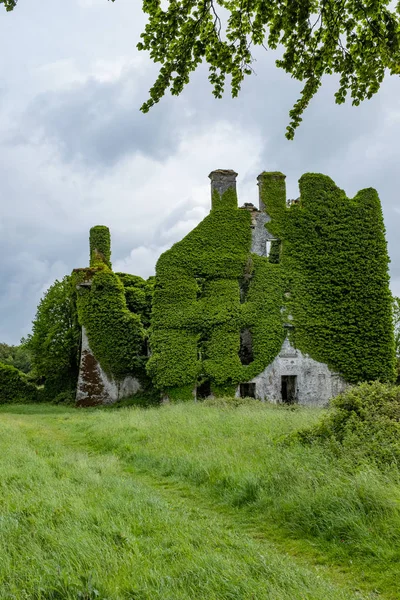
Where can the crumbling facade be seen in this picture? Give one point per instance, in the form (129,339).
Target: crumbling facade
(287,302)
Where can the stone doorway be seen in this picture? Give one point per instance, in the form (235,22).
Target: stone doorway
(289,389)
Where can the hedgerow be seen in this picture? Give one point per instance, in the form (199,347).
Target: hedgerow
(363,423)
(15,387)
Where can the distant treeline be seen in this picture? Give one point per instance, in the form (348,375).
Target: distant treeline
(16,356)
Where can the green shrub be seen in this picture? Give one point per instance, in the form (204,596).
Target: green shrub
(14,386)
(363,423)
(231,402)
(67,397)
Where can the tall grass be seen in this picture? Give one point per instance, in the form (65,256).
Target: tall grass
(85,510)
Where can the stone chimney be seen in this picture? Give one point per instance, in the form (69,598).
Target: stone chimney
(100,245)
(271,184)
(221,181)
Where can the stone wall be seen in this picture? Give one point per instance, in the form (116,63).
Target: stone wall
(94,386)
(315,383)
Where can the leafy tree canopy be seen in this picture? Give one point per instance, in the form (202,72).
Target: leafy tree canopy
(9,4)
(54,342)
(16,356)
(357,39)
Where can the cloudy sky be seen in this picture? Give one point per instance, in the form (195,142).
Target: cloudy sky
(76,151)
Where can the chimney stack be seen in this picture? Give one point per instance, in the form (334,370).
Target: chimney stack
(271,190)
(100,246)
(221,181)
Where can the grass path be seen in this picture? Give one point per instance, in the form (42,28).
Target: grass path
(80,521)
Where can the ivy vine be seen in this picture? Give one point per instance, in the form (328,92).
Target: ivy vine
(197,313)
(335,259)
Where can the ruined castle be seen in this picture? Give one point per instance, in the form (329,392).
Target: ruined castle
(287,302)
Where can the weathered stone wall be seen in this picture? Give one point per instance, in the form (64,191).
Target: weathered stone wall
(315,384)
(221,180)
(94,386)
(260,235)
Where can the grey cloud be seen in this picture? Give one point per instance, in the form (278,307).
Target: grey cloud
(99,123)
(94,126)
(24,278)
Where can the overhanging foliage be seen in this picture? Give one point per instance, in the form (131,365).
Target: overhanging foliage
(357,39)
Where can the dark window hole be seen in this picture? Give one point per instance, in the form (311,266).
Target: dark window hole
(247,390)
(203,390)
(246,347)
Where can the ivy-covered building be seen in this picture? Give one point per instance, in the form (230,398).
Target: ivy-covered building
(288,302)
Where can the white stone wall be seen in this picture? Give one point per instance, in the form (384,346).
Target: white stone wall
(94,386)
(316,383)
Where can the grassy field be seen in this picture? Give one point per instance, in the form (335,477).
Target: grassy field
(188,502)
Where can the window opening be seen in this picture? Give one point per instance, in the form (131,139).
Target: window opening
(146,347)
(243,289)
(203,390)
(247,390)
(273,250)
(289,389)
(202,347)
(246,347)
